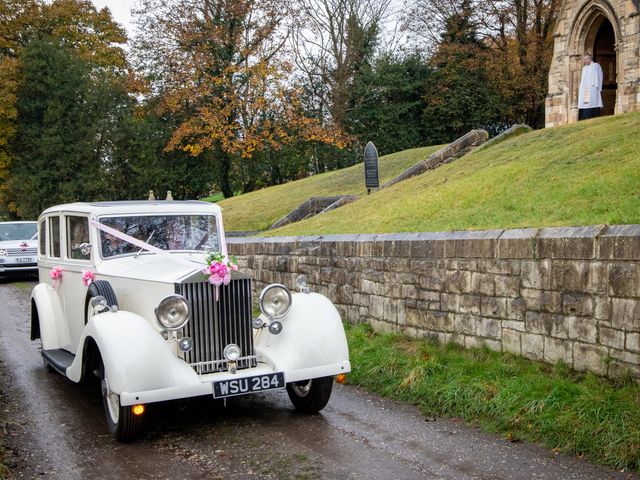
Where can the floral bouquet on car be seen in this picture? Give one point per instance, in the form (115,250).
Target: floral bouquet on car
(219,268)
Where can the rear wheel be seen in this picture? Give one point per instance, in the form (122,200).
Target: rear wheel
(123,424)
(310,396)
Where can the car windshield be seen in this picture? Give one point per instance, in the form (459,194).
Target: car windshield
(166,232)
(18,231)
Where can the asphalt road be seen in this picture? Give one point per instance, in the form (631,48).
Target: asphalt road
(56,429)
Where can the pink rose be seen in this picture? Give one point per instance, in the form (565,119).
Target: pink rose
(234,267)
(88,277)
(56,273)
(226,279)
(215,279)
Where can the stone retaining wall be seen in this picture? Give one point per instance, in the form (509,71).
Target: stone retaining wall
(553,294)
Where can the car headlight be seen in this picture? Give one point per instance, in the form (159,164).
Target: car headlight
(275,301)
(2,252)
(173,312)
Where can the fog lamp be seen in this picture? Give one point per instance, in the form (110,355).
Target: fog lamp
(275,301)
(185,344)
(232,352)
(137,409)
(257,323)
(275,327)
(173,312)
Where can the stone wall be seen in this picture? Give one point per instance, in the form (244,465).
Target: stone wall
(554,294)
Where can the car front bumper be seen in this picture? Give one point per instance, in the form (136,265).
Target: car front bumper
(205,386)
(13,264)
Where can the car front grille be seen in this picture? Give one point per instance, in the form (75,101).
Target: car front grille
(217,320)
(18,252)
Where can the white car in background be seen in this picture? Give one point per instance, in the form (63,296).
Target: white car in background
(143,296)
(18,247)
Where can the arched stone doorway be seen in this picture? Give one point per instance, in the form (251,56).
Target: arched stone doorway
(604,52)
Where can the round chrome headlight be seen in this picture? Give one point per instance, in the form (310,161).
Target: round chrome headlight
(275,301)
(173,312)
(232,352)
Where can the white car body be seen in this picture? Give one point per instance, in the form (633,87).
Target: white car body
(142,362)
(18,255)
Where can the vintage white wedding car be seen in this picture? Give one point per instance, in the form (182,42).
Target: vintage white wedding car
(142,295)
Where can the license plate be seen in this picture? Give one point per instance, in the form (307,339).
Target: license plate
(26,259)
(242,386)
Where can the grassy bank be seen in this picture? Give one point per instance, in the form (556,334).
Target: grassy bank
(581,415)
(261,209)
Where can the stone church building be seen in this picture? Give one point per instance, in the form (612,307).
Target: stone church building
(610,31)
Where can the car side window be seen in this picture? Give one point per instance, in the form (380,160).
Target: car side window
(54,240)
(43,237)
(78,247)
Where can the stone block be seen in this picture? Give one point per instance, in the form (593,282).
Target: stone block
(465,324)
(536,274)
(532,346)
(620,242)
(568,242)
(472,244)
(570,275)
(514,325)
(432,280)
(609,337)
(618,369)
(598,278)
(450,302)
(624,279)
(547,324)
(457,281)
(576,304)
(625,314)
(520,243)
(469,304)
(500,267)
(493,307)
(489,328)
(511,341)
(429,245)
(482,284)
(633,342)
(507,286)
(628,357)
(409,291)
(602,310)
(515,308)
(582,329)
(556,350)
(590,358)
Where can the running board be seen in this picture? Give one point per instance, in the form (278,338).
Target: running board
(58,359)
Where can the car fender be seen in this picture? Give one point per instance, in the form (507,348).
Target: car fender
(53,330)
(135,356)
(312,336)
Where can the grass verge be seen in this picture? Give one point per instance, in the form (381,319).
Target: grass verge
(571,413)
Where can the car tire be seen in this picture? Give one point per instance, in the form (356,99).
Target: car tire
(310,396)
(123,424)
(99,288)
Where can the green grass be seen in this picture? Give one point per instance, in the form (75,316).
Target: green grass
(260,209)
(581,415)
(581,174)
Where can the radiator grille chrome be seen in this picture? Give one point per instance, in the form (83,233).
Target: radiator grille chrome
(215,324)
(18,252)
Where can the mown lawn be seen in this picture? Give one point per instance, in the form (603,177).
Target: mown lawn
(261,209)
(582,415)
(582,174)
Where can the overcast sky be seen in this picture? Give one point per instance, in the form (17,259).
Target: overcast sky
(121,11)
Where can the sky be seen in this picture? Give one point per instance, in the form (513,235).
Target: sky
(121,11)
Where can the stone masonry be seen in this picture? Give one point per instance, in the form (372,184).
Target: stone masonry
(552,294)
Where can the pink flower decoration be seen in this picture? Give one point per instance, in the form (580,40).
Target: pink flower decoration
(56,273)
(88,277)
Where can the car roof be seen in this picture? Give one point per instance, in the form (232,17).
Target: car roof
(18,222)
(137,207)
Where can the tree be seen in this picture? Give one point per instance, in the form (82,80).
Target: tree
(460,97)
(217,65)
(387,102)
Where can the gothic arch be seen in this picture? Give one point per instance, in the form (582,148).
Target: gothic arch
(586,23)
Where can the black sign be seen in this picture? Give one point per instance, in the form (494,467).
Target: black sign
(371,166)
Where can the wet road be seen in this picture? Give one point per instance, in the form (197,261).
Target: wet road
(56,429)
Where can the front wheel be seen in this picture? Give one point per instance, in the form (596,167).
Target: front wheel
(123,424)
(310,396)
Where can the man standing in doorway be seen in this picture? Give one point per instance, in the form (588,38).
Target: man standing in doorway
(589,97)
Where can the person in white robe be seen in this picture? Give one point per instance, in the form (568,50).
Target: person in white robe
(590,94)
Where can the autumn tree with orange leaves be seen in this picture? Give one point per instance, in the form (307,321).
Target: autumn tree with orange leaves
(221,67)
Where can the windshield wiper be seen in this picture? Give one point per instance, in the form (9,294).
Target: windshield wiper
(148,240)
